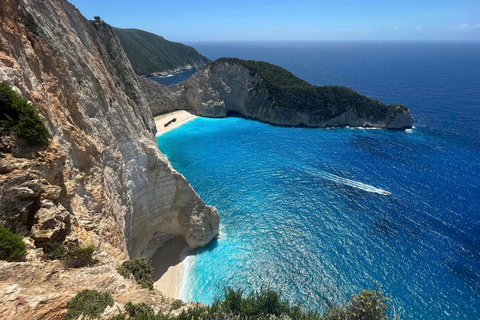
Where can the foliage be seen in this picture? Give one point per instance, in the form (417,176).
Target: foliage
(12,246)
(140,270)
(78,256)
(149,53)
(324,103)
(55,251)
(19,117)
(177,304)
(89,303)
(30,23)
(258,305)
(267,305)
(138,310)
(368,305)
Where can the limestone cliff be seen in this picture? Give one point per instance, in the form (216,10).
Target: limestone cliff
(102,181)
(271,94)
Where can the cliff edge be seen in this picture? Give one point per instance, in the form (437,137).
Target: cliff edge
(102,180)
(269,93)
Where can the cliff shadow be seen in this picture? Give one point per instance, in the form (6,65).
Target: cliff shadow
(169,257)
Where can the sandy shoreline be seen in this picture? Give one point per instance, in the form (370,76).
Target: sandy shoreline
(168,265)
(181,116)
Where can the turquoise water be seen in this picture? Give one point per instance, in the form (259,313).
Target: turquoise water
(302,210)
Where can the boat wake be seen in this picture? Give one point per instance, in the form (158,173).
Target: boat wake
(351,183)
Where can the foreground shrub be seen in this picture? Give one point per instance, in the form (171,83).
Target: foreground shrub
(368,305)
(140,270)
(12,246)
(19,117)
(267,305)
(138,310)
(78,256)
(89,303)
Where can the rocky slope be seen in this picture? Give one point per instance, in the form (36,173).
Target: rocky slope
(152,55)
(102,181)
(271,94)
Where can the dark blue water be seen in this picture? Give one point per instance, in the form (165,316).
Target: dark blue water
(302,209)
(174,78)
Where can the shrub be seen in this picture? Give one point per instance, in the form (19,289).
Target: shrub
(55,251)
(368,305)
(30,23)
(12,246)
(89,303)
(177,304)
(19,117)
(140,270)
(77,256)
(138,310)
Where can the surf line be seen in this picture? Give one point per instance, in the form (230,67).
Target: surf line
(351,183)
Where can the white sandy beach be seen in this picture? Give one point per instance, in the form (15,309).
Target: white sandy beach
(167,262)
(181,116)
(169,268)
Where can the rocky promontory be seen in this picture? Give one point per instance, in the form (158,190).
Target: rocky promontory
(269,93)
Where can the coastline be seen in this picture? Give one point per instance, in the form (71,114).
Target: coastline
(181,116)
(169,268)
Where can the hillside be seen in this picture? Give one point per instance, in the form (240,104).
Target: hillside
(151,54)
(269,93)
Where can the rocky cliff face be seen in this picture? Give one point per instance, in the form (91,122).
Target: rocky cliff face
(275,97)
(102,181)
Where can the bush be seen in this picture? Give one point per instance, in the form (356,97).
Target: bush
(12,246)
(77,256)
(138,310)
(55,251)
(20,118)
(140,270)
(30,23)
(368,305)
(89,303)
(177,304)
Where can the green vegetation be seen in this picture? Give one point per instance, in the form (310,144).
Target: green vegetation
(55,251)
(149,53)
(323,103)
(89,303)
(19,117)
(30,23)
(267,305)
(140,270)
(12,246)
(73,255)
(78,256)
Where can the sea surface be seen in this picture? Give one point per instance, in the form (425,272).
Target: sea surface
(174,78)
(303,210)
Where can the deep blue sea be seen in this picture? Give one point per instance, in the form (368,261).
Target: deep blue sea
(302,210)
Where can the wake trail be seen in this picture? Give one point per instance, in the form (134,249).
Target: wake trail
(351,183)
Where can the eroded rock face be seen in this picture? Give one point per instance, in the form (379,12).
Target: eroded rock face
(42,291)
(226,85)
(113,186)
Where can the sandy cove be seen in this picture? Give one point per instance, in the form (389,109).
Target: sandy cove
(168,261)
(168,265)
(181,116)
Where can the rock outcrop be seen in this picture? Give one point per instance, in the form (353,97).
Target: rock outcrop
(271,94)
(102,180)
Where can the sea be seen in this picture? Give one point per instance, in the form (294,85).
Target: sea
(304,211)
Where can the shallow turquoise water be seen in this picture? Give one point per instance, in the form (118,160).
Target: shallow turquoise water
(301,209)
